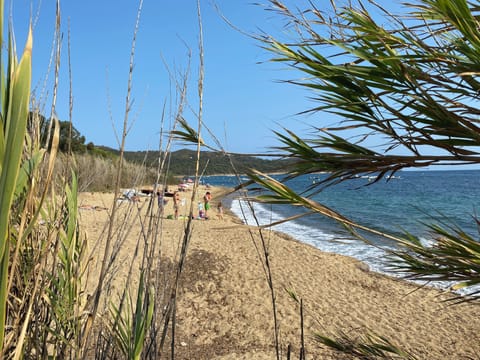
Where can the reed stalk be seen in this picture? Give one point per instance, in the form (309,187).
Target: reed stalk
(107,250)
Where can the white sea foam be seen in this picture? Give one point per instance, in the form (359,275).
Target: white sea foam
(374,257)
(402,205)
(322,240)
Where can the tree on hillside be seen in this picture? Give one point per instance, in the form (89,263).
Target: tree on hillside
(74,138)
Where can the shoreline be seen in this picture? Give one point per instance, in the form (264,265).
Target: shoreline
(373,268)
(225,309)
(362,265)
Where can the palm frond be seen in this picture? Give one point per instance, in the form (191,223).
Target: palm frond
(416,93)
(186,133)
(367,346)
(451,256)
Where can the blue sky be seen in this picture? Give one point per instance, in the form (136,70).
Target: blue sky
(243,100)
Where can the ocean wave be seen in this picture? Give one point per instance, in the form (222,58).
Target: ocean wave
(327,241)
(322,239)
(394,207)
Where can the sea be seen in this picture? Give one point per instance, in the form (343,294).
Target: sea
(406,202)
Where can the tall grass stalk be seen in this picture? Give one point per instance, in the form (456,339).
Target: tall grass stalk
(119,174)
(188,229)
(126,321)
(57,41)
(188,134)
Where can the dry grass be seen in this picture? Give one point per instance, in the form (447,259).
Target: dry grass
(99,174)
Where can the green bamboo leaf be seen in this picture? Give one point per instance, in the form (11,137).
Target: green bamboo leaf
(120,331)
(330,342)
(188,134)
(27,170)
(138,320)
(3,98)
(72,207)
(2,138)
(16,123)
(145,322)
(292,295)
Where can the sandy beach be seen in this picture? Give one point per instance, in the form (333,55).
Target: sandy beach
(224,308)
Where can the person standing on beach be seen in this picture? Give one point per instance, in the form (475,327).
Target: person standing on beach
(206,203)
(161,202)
(201,213)
(220,210)
(176,204)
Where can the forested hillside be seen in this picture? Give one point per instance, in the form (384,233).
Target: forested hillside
(182,162)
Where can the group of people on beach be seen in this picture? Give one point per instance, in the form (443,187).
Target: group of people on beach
(203,207)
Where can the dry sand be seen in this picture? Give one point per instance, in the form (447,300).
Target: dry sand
(224,309)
